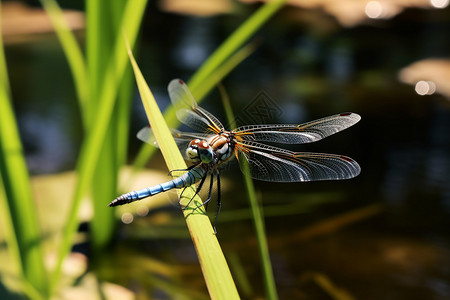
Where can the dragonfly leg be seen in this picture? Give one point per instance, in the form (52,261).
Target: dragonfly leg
(219,203)
(180,170)
(205,203)
(199,187)
(181,196)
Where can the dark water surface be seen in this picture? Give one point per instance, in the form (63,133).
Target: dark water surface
(398,251)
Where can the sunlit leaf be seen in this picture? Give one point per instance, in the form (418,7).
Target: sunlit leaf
(215,269)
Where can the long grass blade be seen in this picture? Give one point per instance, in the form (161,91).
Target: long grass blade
(234,42)
(91,147)
(114,148)
(18,211)
(215,269)
(72,51)
(258,219)
(103,24)
(224,69)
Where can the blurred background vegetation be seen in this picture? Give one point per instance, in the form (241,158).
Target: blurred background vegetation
(384,234)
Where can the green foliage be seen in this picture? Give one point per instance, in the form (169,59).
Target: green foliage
(16,202)
(257,214)
(102,151)
(103,84)
(215,269)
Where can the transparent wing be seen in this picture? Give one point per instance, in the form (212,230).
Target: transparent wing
(188,112)
(146,135)
(297,134)
(274,164)
(181,138)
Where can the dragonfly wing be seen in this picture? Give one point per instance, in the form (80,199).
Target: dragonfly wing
(298,134)
(146,135)
(181,138)
(269,163)
(188,112)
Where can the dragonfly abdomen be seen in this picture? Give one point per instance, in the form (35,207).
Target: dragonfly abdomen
(184,180)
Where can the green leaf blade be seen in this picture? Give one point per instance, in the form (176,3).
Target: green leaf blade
(16,198)
(212,261)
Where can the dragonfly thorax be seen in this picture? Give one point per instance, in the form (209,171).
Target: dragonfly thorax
(200,151)
(221,146)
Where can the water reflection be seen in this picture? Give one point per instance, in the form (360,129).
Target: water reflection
(425,87)
(197,7)
(51,147)
(439,156)
(402,141)
(420,172)
(196,41)
(127,218)
(375,10)
(428,75)
(439,3)
(22,23)
(350,13)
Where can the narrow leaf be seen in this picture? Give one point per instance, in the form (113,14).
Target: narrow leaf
(17,205)
(257,213)
(212,261)
(71,49)
(234,42)
(91,147)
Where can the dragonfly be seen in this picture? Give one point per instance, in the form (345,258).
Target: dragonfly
(212,146)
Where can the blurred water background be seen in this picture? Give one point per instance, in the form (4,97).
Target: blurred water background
(382,235)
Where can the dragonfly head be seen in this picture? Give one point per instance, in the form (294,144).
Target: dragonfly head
(200,151)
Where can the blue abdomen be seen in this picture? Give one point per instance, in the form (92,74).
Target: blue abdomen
(184,180)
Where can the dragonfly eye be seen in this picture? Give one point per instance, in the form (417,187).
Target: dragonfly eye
(192,154)
(194,143)
(206,155)
(205,151)
(192,151)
